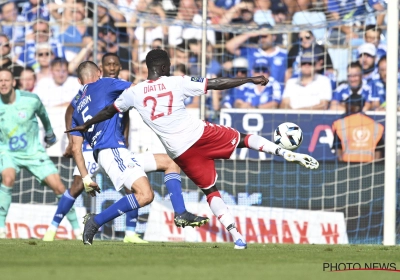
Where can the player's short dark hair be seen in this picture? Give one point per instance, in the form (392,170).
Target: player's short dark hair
(109,54)
(373,27)
(354,64)
(157,57)
(59,60)
(383,58)
(7,70)
(84,67)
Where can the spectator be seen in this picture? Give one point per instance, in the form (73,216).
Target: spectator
(240,67)
(373,35)
(109,41)
(180,70)
(144,36)
(354,85)
(59,90)
(27,81)
(35,10)
(213,67)
(71,32)
(12,22)
(379,6)
(307,44)
(344,10)
(188,13)
(6,57)
(310,91)
(366,57)
(179,54)
(277,57)
(44,55)
(241,13)
(263,14)
(141,71)
(41,30)
(293,6)
(357,137)
(378,87)
(258,96)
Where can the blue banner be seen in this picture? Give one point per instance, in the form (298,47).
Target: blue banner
(316,127)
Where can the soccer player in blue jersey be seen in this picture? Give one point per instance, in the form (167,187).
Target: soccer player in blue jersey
(117,145)
(20,146)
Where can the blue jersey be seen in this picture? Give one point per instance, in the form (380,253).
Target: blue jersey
(277,61)
(343,91)
(91,99)
(248,93)
(27,56)
(30,15)
(347,8)
(378,90)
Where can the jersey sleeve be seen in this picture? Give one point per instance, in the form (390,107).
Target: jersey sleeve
(125,101)
(43,116)
(193,86)
(75,133)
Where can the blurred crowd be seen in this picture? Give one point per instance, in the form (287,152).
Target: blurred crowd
(44,42)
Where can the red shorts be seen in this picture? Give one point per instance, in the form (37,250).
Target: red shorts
(217,142)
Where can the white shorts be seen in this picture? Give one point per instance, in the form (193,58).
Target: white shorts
(123,167)
(90,163)
(145,160)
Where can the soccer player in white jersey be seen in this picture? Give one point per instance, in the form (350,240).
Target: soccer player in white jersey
(192,143)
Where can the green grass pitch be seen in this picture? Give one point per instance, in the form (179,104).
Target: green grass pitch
(115,260)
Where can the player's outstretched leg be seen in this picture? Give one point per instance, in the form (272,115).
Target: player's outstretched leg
(221,211)
(131,218)
(172,180)
(143,195)
(65,206)
(259,143)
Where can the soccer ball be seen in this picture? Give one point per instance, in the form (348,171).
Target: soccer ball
(288,136)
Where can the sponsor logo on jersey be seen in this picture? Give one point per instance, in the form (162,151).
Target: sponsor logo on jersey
(131,165)
(197,79)
(22,115)
(120,142)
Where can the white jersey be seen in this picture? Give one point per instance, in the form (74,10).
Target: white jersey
(161,105)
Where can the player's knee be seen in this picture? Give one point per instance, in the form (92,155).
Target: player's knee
(8,181)
(148,196)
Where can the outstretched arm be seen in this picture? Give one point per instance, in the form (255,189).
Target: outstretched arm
(226,83)
(105,114)
(68,124)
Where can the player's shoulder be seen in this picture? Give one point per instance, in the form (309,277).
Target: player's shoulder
(28,95)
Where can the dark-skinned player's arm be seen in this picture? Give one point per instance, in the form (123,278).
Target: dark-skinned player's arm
(68,124)
(105,114)
(126,123)
(227,83)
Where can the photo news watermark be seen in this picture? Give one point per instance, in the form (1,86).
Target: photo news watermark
(367,266)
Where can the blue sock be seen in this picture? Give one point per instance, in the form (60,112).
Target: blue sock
(131,220)
(174,187)
(64,205)
(120,207)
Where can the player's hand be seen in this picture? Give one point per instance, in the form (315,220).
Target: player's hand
(91,187)
(301,159)
(260,80)
(81,128)
(68,151)
(50,140)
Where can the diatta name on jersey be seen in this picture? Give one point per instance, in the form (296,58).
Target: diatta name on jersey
(155,87)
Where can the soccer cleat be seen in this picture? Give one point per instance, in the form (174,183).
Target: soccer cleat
(90,229)
(301,159)
(134,238)
(239,244)
(49,235)
(3,233)
(189,219)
